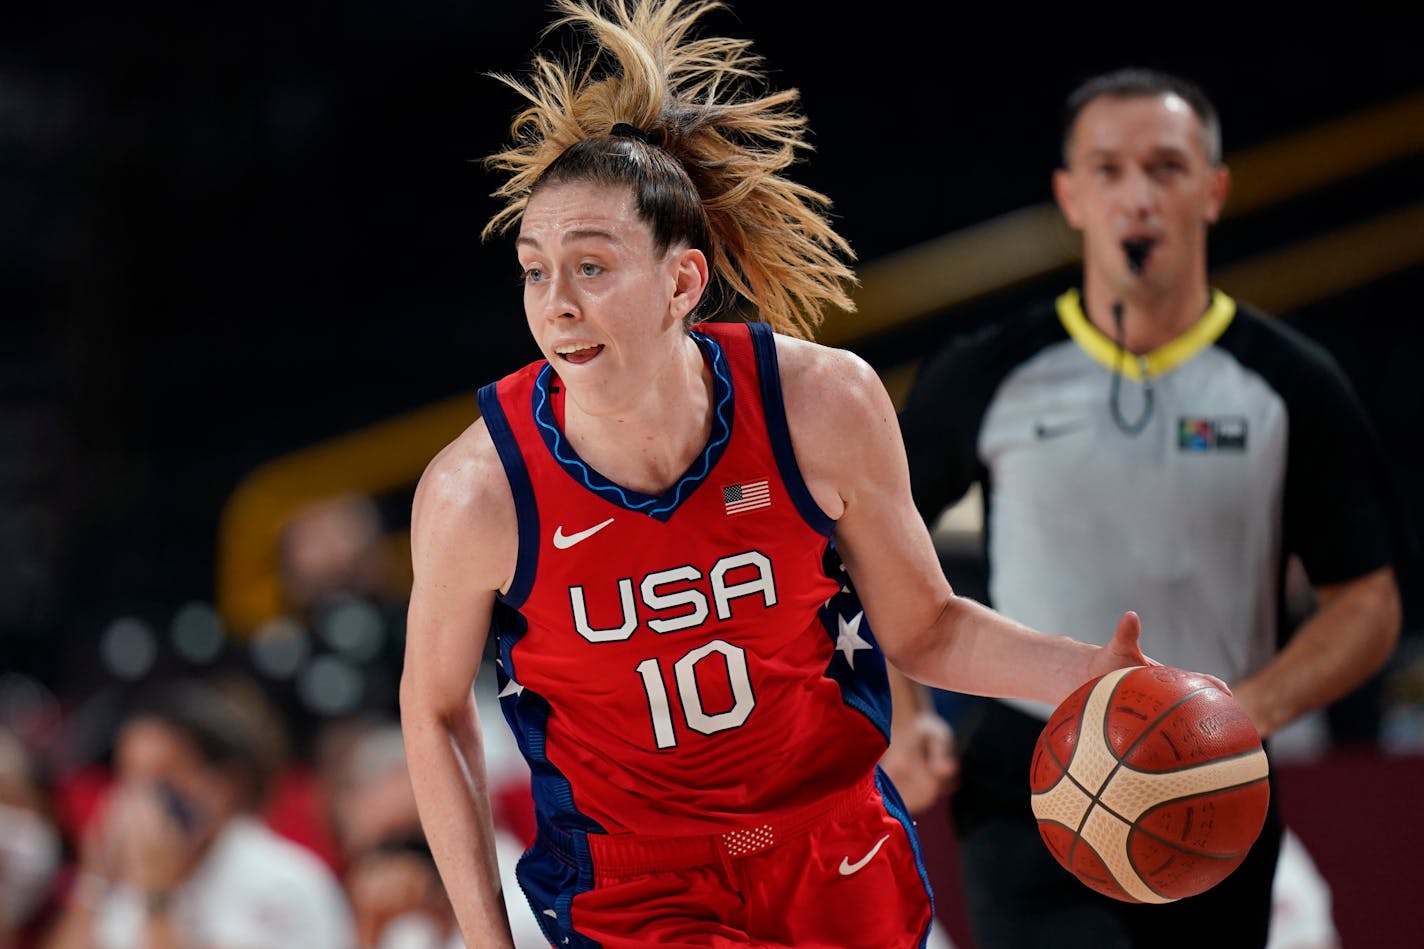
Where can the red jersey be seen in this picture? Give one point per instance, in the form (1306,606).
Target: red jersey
(676,664)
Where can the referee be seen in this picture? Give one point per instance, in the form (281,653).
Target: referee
(1144,441)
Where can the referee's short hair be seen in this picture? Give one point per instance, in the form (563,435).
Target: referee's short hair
(1135,82)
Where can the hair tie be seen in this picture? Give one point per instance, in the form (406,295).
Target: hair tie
(624,130)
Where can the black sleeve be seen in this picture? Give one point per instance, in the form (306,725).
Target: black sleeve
(940,431)
(946,404)
(1343,514)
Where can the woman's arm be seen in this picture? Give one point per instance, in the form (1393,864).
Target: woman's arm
(463,546)
(853,460)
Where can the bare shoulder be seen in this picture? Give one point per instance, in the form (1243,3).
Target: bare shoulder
(828,390)
(842,421)
(463,512)
(466,476)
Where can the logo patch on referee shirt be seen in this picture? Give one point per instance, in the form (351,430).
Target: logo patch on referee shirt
(1223,433)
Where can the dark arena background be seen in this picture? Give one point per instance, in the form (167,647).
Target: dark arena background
(245,301)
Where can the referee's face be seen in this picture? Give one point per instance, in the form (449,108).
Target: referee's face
(1138,170)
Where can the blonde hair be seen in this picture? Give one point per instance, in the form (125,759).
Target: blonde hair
(690,100)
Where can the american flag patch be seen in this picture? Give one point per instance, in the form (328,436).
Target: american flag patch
(747,496)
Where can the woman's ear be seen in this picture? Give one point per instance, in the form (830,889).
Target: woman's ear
(690,277)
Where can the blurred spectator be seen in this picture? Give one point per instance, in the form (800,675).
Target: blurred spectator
(332,548)
(395,890)
(361,771)
(292,806)
(176,855)
(335,651)
(31,849)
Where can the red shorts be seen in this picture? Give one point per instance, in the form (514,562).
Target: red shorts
(844,873)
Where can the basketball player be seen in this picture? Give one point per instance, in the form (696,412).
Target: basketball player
(695,541)
(1144,438)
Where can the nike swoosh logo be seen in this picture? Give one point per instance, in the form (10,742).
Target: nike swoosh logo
(565,541)
(1043,432)
(847,868)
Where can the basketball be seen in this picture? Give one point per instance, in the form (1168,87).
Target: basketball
(1150,784)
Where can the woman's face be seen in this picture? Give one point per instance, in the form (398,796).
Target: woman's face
(152,754)
(605,307)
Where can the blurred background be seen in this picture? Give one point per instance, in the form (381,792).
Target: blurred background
(245,301)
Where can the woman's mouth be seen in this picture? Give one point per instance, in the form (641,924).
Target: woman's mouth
(578,353)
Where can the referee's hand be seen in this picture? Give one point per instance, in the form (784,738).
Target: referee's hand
(921,762)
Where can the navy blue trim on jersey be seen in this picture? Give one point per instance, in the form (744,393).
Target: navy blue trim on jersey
(896,809)
(527,713)
(552,873)
(556,870)
(860,672)
(526,511)
(777,429)
(659,508)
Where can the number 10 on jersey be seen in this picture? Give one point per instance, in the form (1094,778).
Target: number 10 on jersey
(689,696)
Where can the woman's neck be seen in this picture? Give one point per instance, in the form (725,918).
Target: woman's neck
(649,441)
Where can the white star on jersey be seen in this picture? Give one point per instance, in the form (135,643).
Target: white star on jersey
(512,688)
(849,639)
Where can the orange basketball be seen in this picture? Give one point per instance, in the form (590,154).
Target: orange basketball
(1150,784)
